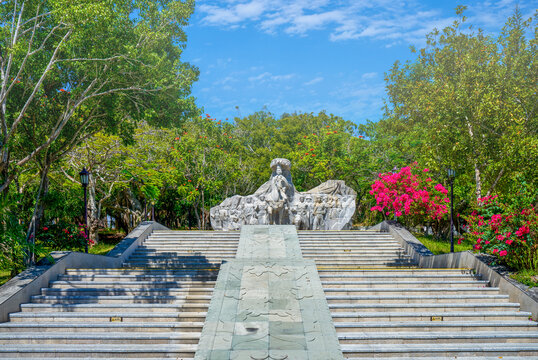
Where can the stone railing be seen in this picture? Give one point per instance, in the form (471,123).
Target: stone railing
(465,259)
(22,287)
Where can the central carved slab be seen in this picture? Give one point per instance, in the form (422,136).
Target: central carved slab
(268,303)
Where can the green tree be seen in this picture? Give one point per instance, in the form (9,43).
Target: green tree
(468,102)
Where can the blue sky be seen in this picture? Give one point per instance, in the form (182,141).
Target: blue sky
(313,55)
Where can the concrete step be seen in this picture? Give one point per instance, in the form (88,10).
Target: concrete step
(148,308)
(425,315)
(411,290)
(100,338)
(170,265)
(420,307)
(412,299)
(48,316)
(418,350)
(130,284)
(396,272)
(428,326)
(365,263)
(179,258)
(459,357)
(107,326)
(373,284)
(437,337)
(99,351)
(396,277)
(121,299)
(127,291)
(193,273)
(141,277)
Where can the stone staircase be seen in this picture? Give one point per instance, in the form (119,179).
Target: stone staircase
(385,307)
(153,307)
(382,305)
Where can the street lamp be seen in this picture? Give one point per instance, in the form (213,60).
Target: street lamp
(451,177)
(84,181)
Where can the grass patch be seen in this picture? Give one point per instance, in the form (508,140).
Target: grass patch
(527,277)
(5,275)
(440,246)
(102,248)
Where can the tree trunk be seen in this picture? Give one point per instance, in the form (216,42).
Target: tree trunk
(93,218)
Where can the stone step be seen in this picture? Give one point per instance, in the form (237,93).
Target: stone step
(410,299)
(396,277)
(107,326)
(141,277)
(373,284)
(351,249)
(419,307)
(99,351)
(179,258)
(459,357)
(194,273)
(364,262)
(417,350)
(428,326)
(170,265)
(49,316)
(127,291)
(130,284)
(437,337)
(149,308)
(353,255)
(395,272)
(195,246)
(121,299)
(410,290)
(100,338)
(175,251)
(426,315)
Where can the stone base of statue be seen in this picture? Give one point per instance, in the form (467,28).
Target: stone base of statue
(328,206)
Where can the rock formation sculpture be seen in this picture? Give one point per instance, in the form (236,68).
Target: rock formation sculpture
(328,206)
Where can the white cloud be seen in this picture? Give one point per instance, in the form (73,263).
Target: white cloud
(268,77)
(369,75)
(314,81)
(385,20)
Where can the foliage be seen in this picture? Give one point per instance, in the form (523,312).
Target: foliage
(467,102)
(442,246)
(411,193)
(63,236)
(13,243)
(508,230)
(527,277)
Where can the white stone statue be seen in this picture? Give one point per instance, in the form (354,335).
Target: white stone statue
(328,206)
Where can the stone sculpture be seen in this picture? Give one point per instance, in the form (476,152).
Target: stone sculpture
(328,206)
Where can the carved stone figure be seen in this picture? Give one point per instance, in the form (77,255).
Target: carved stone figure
(328,206)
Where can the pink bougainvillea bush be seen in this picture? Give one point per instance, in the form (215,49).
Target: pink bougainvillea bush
(508,231)
(411,193)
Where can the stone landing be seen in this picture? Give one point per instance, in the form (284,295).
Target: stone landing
(268,303)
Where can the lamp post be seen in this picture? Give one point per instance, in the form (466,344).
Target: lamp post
(451,176)
(84,181)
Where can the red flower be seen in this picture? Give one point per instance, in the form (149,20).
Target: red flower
(177,138)
(45,228)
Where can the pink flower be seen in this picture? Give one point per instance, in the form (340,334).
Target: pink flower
(495,251)
(509,242)
(426,170)
(503,253)
(522,231)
